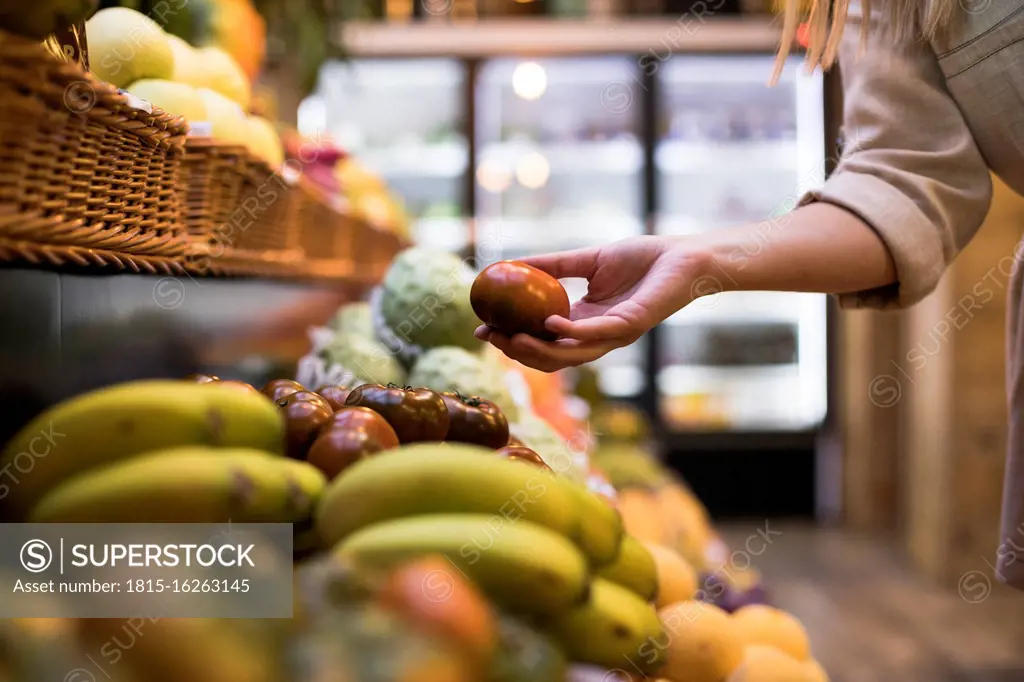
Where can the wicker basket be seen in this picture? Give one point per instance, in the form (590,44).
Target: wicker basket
(326,235)
(272,210)
(85,178)
(242,217)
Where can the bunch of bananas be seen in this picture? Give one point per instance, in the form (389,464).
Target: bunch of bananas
(539,545)
(659,508)
(158,451)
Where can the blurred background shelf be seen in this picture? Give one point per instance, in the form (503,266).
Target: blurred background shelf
(550,37)
(731,159)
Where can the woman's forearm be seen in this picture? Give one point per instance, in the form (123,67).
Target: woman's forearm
(817,248)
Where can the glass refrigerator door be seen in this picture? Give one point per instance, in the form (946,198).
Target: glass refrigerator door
(404,119)
(560,166)
(731,150)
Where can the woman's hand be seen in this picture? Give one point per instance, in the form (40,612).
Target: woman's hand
(632,286)
(637,283)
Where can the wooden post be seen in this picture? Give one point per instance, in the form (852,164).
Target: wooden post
(870,409)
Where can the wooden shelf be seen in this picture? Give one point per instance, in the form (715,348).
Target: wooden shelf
(560,37)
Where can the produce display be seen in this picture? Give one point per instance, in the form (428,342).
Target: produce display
(438,536)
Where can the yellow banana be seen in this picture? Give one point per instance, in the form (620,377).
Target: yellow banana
(524,567)
(614,629)
(440,479)
(634,569)
(115,423)
(601,530)
(185,485)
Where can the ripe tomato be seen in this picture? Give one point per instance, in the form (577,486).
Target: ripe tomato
(416,414)
(513,298)
(335,395)
(279,388)
(522,453)
(305,413)
(353,433)
(475,420)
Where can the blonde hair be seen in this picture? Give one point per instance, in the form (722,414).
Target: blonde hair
(901,20)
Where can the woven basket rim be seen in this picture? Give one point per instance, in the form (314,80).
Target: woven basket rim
(107,98)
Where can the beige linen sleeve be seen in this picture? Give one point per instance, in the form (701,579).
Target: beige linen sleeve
(910,167)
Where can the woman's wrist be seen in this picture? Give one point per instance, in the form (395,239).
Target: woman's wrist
(816,248)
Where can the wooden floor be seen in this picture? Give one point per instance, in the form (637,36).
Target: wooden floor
(870,619)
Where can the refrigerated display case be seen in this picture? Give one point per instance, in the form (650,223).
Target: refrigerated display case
(404,120)
(728,151)
(559,166)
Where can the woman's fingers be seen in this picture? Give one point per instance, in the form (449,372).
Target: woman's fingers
(601,328)
(550,356)
(576,263)
(483,332)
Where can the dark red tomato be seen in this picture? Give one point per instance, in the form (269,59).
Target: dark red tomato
(279,388)
(305,414)
(514,298)
(335,395)
(416,414)
(202,378)
(353,433)
(475,420)
(522,454)
(231,383)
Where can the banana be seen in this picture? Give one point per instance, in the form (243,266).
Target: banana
(615,629)
(629,466)
(634,569)
(310,483)
(523,567)
(186,485)
(118,422)
(439,479)
(172,649)
(601,530)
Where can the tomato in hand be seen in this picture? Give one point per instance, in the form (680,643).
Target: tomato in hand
(521,453)
(416,414)
(335,395)
(305,413)
(353,433)
(513,298)
(475,420)
(279,388)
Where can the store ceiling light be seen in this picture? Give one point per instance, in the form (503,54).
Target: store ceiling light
(533,170)
(529,80)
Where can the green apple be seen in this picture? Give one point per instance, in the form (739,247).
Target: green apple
(227,119)
(221,73)
(126,46)
(186,62)
(264,141)
(179,99)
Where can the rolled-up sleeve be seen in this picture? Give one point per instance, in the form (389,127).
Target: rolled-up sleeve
(910,167)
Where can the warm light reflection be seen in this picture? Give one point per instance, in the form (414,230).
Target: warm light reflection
(529,80)
(493,177)
(533,170)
